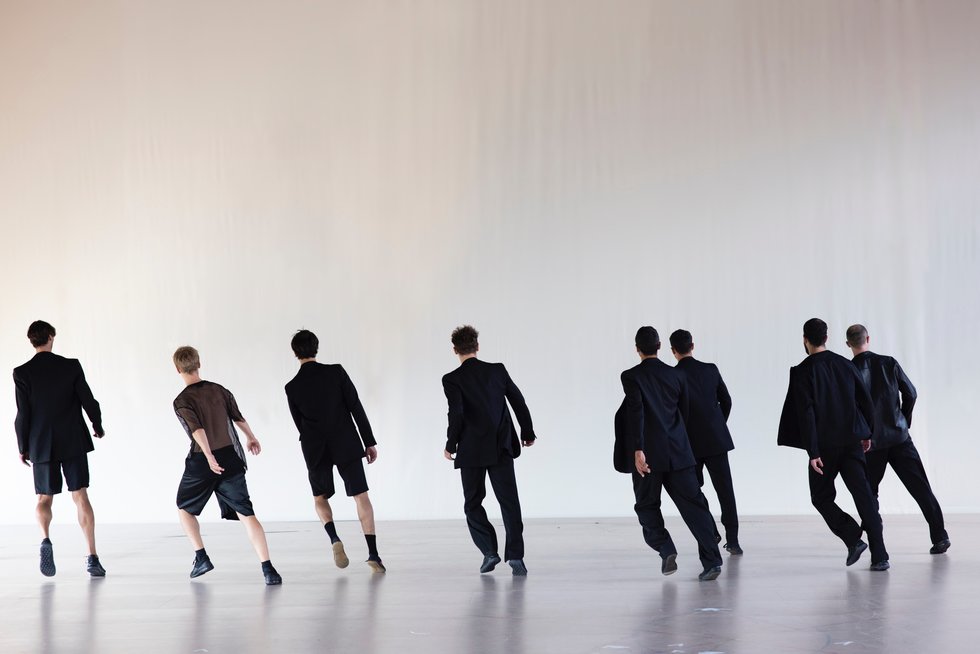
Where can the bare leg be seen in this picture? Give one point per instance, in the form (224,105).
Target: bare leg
(86,517)
(256,534)
(365,513)
(323,509)
(192,528)
(44,513)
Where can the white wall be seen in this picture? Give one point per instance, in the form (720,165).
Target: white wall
(555,172)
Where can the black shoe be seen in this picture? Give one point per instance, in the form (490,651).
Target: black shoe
(517,565)
(490,562)
(710,574)
(272,577)
(94,567)
(669,565)
(47,558)
(880,566)
(201,566)
(374,562)
(734,548)
(855,551)
(940,547)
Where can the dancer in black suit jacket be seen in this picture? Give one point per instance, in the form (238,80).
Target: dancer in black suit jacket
(325,406)
(51,433)
(656,409)
(894,396)
(707,427)
(482,441)
(828,413)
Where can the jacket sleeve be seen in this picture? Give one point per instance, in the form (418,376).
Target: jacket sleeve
(22,423)
(294,412)
(724,399)
(634,411)
(88,401)
(907,391)
(684,402)
(517,402)
(357,410)
(801,388)
(864,404)
(455,398)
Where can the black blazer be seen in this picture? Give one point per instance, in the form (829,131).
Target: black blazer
(827,405)
(710,406)
(51,393)
(480,426)
(893,396)
(656,408)
(322,400)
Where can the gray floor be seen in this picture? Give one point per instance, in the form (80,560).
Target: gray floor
(593,587)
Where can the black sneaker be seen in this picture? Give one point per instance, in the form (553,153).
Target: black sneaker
(201,566)
(490,562)
(47,558)
(94,567)
(940,547)
(374,562)
(517,565)
(710,574)
(855,551)
(880,566)
(734,549)
(272,577)
(669,565)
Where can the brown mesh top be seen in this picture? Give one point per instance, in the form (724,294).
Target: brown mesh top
(211,407)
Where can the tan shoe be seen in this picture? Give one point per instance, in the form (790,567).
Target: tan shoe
(339,556)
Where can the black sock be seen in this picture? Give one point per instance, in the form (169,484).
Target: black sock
(331,531)
(267,566)
(372,542)
(200,555)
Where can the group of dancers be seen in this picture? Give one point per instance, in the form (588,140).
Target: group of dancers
(852,418)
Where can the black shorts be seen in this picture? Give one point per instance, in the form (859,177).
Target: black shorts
(47,475)
(352,472)
(200,482)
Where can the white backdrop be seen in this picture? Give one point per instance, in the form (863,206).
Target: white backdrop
(555,172)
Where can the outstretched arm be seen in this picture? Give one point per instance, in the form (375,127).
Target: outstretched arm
(357,411)
(252,443)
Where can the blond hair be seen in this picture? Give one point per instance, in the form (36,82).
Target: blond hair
(187,359)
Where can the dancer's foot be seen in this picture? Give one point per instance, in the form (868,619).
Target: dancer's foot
(880,566)
(517,565)
(855,551)
(47,558)
(734,549)
(94,567)
(490,562)
(710,574)
(339,555)
(374,562)
(202,565)
(669,564)
(940,547)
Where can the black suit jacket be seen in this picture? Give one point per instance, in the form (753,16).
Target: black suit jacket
(893,396)
(654,413)
(480,426)
(710,405)
(827,405)
(51,393)
(324,405)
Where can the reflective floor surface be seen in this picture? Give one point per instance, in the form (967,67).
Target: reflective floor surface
(593,587)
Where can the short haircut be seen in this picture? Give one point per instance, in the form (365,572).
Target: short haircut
(187,359)
(682,341)
(857,335)
(647,340)
(466,339)
(40,333)
(305,344)
(815,331)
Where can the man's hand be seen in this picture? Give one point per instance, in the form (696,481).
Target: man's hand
(817,464)
(449,456)
(97,434)
(866,445)
(253,446)
(527,443)
(23,459)
(372,454)
(213,464)
(641,463)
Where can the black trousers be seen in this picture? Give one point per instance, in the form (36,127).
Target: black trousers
(721,478)
(849,463)
(907,464)
(504,485)
(682,487)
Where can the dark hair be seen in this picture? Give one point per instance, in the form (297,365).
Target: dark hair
(815,331)
(857,335)
(647,340)
(466,339)
(40,333)
(682,341)
(305,344)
